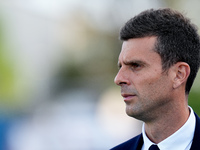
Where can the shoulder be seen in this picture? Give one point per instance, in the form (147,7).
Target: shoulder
(196,138)
(130,144)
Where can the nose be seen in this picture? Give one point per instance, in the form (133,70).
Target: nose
(121,78)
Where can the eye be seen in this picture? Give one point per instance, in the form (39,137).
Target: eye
(119,66)
(136,66)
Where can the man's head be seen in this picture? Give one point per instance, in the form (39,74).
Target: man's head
(177,38)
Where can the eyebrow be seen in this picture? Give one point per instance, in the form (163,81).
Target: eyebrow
(131,62)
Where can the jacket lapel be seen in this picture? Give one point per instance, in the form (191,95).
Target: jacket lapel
(139,143)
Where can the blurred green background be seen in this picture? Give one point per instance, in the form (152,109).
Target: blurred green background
(58,60)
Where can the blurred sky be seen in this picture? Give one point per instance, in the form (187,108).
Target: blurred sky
(58,65)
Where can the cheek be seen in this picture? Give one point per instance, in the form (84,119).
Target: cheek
(147,81)
(152,87)
(158,89)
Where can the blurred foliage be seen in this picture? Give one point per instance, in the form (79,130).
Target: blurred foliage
(194,101)
(7,77)
(194,97)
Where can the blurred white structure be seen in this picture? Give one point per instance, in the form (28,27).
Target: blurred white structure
(74,123)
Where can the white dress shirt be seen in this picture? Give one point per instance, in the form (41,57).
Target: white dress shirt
(180,140)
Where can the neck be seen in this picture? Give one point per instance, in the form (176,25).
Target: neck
(167,124)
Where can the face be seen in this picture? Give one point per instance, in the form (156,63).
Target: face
(144,86)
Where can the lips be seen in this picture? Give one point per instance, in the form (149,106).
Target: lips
(128,97)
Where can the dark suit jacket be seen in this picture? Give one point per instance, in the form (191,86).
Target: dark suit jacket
(137,142)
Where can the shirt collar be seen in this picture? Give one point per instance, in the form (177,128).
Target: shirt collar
(181,139)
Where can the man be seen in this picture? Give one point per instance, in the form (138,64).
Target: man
(158,63)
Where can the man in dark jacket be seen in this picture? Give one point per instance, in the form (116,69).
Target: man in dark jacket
(158,63)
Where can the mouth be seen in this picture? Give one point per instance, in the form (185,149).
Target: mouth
(128,97)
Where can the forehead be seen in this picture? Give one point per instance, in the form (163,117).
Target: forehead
(139,49)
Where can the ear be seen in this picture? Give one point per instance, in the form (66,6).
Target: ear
(182,72)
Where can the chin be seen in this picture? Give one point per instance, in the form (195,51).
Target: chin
(131,113)
(136,114)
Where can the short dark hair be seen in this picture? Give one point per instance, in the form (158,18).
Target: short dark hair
(177,38)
